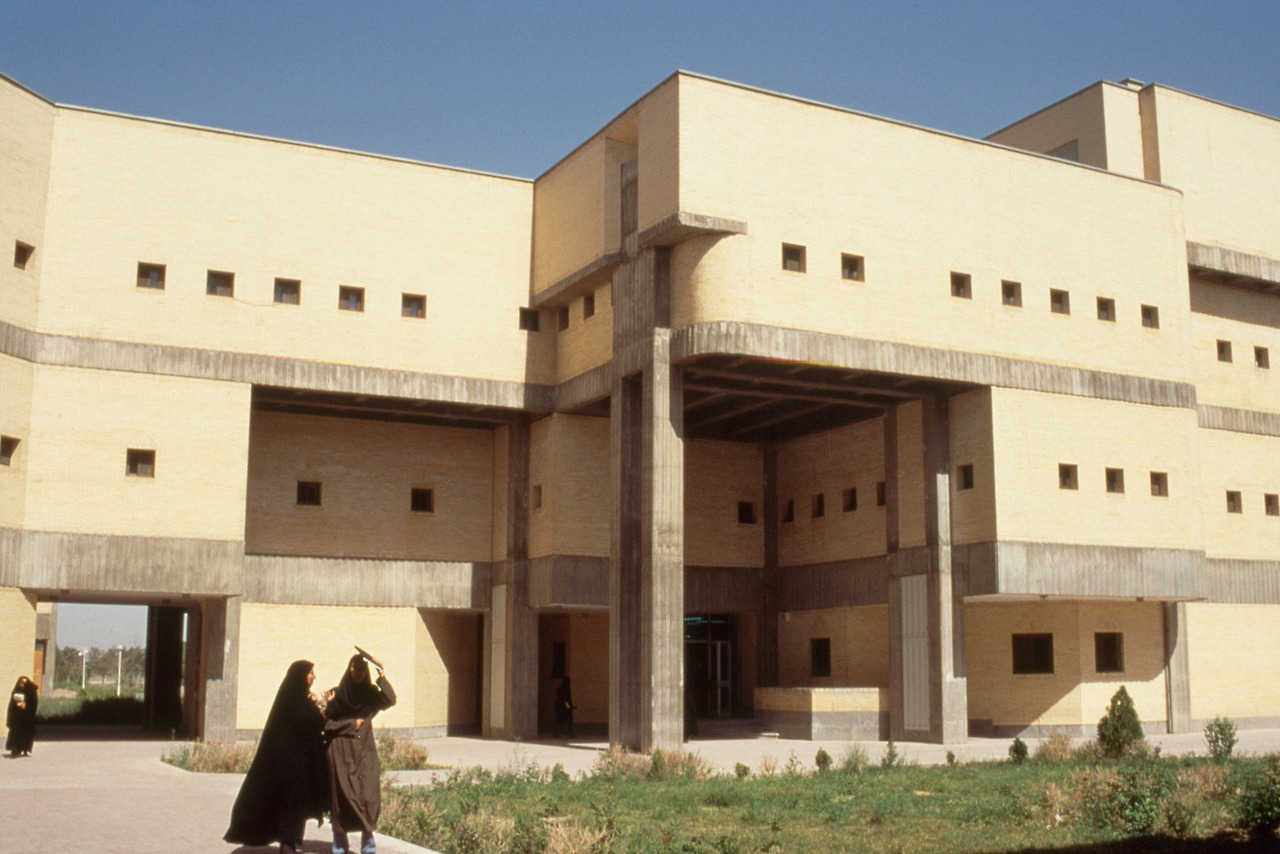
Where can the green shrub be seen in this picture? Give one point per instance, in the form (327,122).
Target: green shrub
(1119,727)
(1259,805)
(657,765)
(823,760)
(951,759)
(1220,735)
(741,770)
(1018,751)
(890,758)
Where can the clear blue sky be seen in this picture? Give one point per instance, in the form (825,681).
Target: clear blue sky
(512,87)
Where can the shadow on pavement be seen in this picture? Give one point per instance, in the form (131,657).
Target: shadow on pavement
(1162,845)
(96,732)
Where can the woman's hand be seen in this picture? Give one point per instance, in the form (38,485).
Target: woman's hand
(359,722)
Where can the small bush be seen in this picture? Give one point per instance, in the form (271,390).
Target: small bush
(617,763)
(1220,736)
(890,758)
(657,765)
(1018,751)
(1120,727)
(401,754)
(211,757)
(854,760)
(823,760)
(1056,748)
(1259,806)
(741,770)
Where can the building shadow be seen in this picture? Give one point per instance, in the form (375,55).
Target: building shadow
(1160,845)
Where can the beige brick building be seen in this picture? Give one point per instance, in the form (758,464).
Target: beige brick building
(748,407)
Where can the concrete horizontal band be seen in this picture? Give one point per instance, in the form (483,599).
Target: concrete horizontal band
(1238,420)
(91,565)
(1065,569)
(1250,270)
(569,581)
(835,584)
(279,579)
(721,589)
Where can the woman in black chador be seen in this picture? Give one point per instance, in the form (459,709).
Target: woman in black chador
(355,799)
(288,780)
(21,719)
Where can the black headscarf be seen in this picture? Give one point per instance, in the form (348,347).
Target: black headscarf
(354,699)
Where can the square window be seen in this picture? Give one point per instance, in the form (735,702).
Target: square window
(8,447)
(220,284)
(851,268)
(1234,504)
(308,493)
(1261,358)
(964,477)
(819,658)
(1108,652)
(850,499)
(288,291)
(789,511)
(1059,301)
(792,258)
(350,299)
(537,496)
(1115,480)
(1160,484)
(881,494)
(962,285)
(589,305)
(1032,653)
(1011,293)
(1067,476)
(1150,317)
(818,506)
(1271,503)
(1106,309)
(422,500)
(529,319)
(562,318)
(413,305)
(139,463)
(1224,351)
(151,276)
(22,254)
(746,513)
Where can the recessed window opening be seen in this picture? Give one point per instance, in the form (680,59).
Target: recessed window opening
(1261,358)
(849,499)
(1108,652)
(1160,484)
(1234,504)
(1115,480)
(1032,653)
(151,276)
(1067,476)
(422,500)
(1011,293)
(819,658)
(792,258)
(1271,503)
(964,477)
(562,319)
(219,284)
(589,305)
(22,254)
(1224,351)
(140,462)
(288,291)
(789,511)
(350,299)
(1150,317)
(962,285)
(308,493)
(746,513)
(529,319)
(881,494)
(8,447)
(851,267)
(1059,301)
(818,506)
(413,305)
(1106,309)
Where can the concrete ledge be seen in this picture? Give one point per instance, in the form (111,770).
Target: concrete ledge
(287,579)
(577,283)
(685,225)
(817,714)
(1241,269)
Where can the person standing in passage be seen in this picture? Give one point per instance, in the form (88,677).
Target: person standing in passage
(354,791)
(564,709)
(288,780)
(21,719)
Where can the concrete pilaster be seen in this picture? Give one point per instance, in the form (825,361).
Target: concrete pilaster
(220,658)
(1177,675)
(767,624)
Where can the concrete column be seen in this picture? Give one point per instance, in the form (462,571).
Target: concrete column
(767,621)
(1177,669)
(220,658)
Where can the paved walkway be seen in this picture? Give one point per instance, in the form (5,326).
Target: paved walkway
(117,796)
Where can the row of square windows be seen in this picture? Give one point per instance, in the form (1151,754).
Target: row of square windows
(1032,654)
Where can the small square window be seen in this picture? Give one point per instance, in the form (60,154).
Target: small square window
(562,319)
(1059,301)
(818,506)
(308,493)
(422,500)
(1032,653)
(819,658)
(413,305)
(1224,351)
(537,496)
(288,291)
(1160,484)
(1115,480)
(589,305)
(1067,476)
(962,285)
(151,276)
(964,477)
(1106,309)
(22,254)
(851,267)
(881,494)
(1108,652)
(792,258)
(220,284)
(789,511)
(139,463)
(849,500)
(1011,293)
(1271,503)
(746,513)
(1261,358)
(529,319)
(8,447)
(1150,317)
(350,299)
(1234,504)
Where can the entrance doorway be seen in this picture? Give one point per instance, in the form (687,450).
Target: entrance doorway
(711,665)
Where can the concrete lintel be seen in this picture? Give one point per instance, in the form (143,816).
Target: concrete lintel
(686,225)
(460,585)
(577,283)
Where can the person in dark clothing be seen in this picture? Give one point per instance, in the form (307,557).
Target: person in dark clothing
(288,780)
(564,710)
(21,719)
(355,797)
